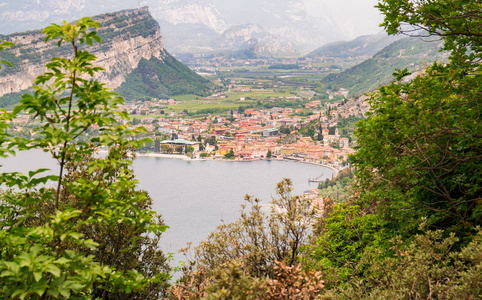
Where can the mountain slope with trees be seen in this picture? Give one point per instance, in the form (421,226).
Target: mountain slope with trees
(411,53)
(155,78)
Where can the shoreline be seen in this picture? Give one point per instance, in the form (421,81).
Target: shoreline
(162,155)
(335,170)
(184,157)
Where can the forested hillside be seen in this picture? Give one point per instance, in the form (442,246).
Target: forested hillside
(155,78)
(410,52)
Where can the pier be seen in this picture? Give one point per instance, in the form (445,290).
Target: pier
(316,179)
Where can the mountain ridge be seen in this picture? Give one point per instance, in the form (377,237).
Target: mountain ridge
(410,52)
(362,46)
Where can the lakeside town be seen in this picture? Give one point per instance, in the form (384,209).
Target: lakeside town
(242,135)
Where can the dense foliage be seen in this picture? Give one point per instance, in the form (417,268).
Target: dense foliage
(261,237)
(421,149)
(418,162)
(82,233)
(338,186)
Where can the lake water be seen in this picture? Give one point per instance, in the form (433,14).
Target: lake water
(196,196)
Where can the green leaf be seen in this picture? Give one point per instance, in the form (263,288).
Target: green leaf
(7,273)
(76,235)
(65,292)
(17,109)
(90,244)
(33,173)
(53,269)
(97,38)
(6,62)
(37,276)
(62,261)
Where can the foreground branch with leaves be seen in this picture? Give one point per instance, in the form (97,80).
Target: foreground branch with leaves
(92,233)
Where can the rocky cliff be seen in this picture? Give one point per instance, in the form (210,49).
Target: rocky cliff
(127,37)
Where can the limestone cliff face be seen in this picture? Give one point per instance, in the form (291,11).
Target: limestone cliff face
(127,37)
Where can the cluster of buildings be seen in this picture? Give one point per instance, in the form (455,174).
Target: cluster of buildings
(256,134)
(253,134)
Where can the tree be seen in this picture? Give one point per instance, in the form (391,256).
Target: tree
(179,149)
(258,239)
(157,145)
(135,121)
(431,165)
(457,22)
(419,150)
(268,155)
(418,162)
(211,141)
(285,130)
(166,148)
(82,232)
(230,154)
(342,239)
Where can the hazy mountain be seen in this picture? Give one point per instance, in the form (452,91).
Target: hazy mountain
(365,45)
(200,25)
(284,20)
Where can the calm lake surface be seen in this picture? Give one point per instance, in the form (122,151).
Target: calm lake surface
(196,196)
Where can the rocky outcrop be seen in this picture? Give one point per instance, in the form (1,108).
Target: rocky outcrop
(127,37)
(255,39)
(357,106)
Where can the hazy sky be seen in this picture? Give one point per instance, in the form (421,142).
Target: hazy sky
(356,17)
